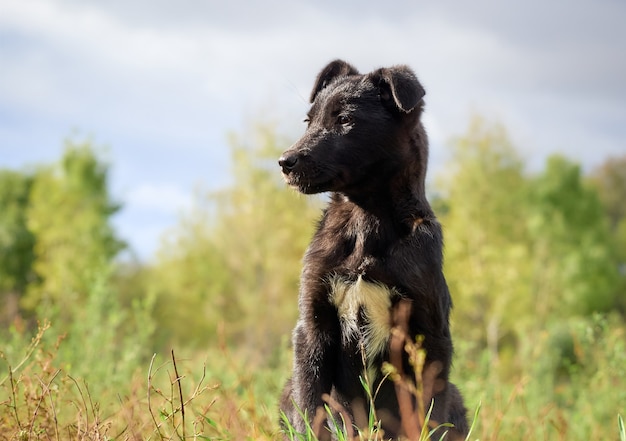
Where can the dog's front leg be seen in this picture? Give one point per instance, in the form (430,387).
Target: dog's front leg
(316,345)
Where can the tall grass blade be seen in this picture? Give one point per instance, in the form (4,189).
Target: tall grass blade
(476,412)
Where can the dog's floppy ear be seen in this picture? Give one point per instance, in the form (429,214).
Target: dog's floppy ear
(399,87)
(333,70)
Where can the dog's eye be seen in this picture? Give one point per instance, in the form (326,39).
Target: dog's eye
(344,119)
(306,120)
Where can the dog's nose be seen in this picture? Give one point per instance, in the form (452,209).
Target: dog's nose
(288,162)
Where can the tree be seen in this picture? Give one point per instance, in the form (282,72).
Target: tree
(527,256)
(484,226)
(69,215)
(16,242)
(576,265)
(610,181)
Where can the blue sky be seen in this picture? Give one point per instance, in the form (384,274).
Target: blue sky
(161,84)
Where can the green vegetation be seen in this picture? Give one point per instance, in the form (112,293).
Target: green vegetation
(195,343)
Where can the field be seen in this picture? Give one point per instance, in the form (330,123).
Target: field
(195,343)
(228,396)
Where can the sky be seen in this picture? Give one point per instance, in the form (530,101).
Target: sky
(159,85)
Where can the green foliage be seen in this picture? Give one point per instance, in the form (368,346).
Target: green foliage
(531,261)
(522,250)
(610,180)
(486,254)
(235,259)
(68,214)
(103,346)
(556,394)
(572,243)
(104,340)
(16,240)
(65,210)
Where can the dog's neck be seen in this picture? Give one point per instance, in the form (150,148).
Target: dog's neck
(399,210)
(396,199)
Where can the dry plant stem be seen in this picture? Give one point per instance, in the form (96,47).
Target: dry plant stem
(128,426)
(423,388)
(519,388)
(54,412)
(44,388)
(411,424)
(170,417)
(31,348)
(198,391)
(156,425)
(94,408)
(317,425)
(13,387)
(180,393)
(82,397)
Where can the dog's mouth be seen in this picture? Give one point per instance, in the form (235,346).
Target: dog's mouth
(306,185)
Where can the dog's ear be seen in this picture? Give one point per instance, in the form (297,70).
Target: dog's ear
(334,69)
(399,87)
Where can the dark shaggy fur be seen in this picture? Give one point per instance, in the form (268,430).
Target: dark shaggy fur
(378,243)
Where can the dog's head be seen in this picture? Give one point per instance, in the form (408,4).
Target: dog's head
(358,129)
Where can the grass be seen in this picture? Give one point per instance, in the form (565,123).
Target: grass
(224,395)
(169,403)
(172,399)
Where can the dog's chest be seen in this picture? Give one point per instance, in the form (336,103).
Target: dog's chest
(364,310)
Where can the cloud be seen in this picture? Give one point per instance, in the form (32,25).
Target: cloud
(162,82)
(159,197)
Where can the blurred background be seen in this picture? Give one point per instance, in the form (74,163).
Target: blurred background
(142,209)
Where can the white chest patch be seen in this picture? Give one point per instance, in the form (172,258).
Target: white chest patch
(373,301)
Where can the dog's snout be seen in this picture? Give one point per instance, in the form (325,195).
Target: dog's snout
(288,162)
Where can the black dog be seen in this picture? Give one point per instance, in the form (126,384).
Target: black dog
(378,246)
